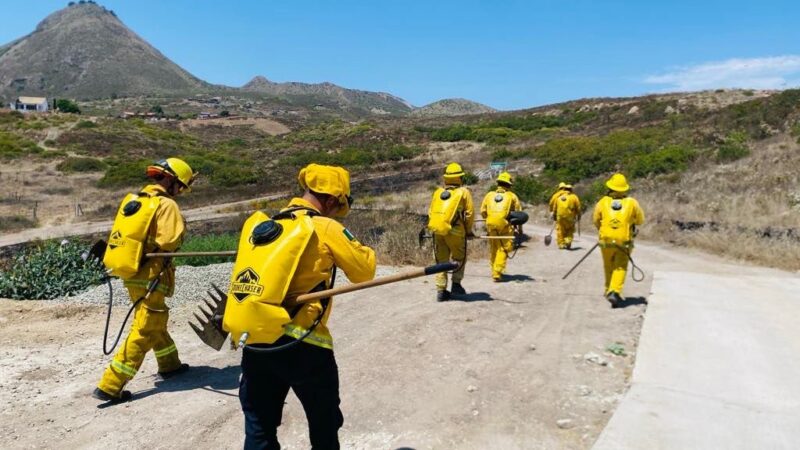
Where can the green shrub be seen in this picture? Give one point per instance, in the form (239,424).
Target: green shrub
(13,146)
(208,243)
(502,154)
(453,133)
(11,117)
(674,158)
(85,124)
(124,173)
(67,106)
(470,178)
(530,189)
(735,147)
(49,270)
(81,164)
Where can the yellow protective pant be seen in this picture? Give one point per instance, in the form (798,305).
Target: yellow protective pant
(450,248)
(615,263)
(565,229)
(148,332)
(499,250)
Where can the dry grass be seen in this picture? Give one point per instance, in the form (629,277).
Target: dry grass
(743,200)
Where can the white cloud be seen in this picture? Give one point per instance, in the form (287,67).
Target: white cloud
(777,72)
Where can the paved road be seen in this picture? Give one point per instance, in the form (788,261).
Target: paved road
(717,366)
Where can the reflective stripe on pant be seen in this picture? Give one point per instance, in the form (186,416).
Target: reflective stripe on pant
(311,372)
(615,263)
(565,229)
(148,332)
(499,250)
(450,247)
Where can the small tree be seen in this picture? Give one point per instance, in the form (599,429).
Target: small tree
(157,110)
(67,106)
(224,113)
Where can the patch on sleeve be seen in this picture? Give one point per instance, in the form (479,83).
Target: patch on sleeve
(349,234)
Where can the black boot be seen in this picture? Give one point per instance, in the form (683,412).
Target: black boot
(614,298)
(167,375)
(100,394)
(442,296)
(457,289)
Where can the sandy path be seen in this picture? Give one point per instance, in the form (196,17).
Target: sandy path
(414,373)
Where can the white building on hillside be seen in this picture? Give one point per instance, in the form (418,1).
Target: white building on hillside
(30,104)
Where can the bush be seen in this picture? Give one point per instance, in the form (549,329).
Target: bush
(124,173)
(735,147)
(67,106)
(470,178)
(49,270)
(674,158)
(85,124)
(208,243)
(13,146)
(81,164)
(530,189)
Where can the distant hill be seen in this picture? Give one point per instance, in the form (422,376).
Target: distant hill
(453,107)
(85,51)
(329,95)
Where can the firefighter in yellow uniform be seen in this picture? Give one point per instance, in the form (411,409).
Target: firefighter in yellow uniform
(171,177)
(309,367)
(616,216)
(451,217)
(565,207)
(495,208)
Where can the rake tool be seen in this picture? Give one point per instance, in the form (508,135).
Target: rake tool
(210,329)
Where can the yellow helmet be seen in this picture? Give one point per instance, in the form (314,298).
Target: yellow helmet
(618,183)
(505,177)
(173,167)
(564,185)
(453,174)
(330,180)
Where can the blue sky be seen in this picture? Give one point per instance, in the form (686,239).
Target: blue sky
(507,54)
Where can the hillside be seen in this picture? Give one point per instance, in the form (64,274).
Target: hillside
(452,107)
(85,51)
(329,95)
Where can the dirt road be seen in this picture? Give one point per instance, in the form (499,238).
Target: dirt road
(521,364)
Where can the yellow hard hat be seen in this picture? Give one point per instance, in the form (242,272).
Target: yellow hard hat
(453,173)
(505,177)
(618,183)
(330,180)
(173,167)
(564,185)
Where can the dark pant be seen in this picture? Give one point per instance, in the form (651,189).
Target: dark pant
(311,372)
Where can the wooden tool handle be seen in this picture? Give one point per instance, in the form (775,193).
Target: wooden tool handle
(314,296)
(188,254)
(494,237)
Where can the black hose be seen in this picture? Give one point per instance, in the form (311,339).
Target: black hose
(634,268)
(106,350)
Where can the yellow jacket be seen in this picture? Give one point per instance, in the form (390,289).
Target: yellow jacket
(165,235)
(568,208)
(331,245)
(465,214)
(516,205)
(631,214)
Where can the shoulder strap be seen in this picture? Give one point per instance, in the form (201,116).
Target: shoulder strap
(289,212)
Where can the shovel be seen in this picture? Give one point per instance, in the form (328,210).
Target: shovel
(549,238)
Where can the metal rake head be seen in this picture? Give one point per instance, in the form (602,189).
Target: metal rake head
(210,329)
